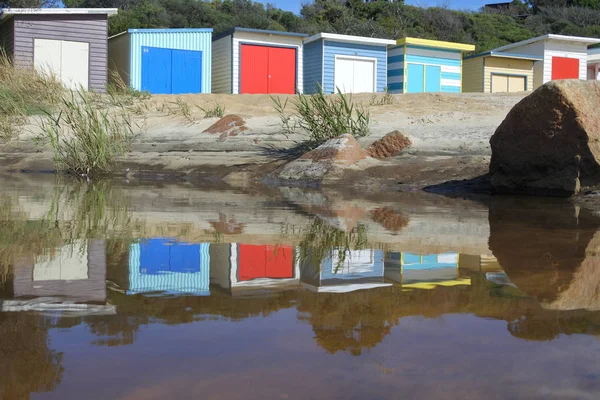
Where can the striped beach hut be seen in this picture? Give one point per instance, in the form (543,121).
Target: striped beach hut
(422,65)
(165,265)
(163,61)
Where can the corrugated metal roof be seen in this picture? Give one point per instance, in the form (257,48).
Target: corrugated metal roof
(170,30)
(350,39)
(9,12)
(505,55)
(263,31)
(579,39)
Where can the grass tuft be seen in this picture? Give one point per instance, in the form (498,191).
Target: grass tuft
(323,117)
(86,139)
(386,100)
(23,92)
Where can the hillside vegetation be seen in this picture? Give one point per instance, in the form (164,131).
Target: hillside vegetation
(485,28)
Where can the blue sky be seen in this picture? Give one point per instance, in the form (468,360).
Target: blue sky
(294,5)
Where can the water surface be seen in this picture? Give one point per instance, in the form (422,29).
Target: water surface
(122,291)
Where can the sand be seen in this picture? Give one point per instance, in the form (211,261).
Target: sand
(444,128)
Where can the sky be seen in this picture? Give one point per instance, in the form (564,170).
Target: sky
(294,5)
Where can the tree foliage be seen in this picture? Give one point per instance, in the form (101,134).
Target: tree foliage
(486,28)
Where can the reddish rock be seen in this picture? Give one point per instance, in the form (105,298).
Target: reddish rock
(343,149)
(230,125)
(549,143)
(389,219)
(388,146)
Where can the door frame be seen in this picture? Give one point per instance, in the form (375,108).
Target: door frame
(355,58)
(62,40)
(508,75)
(241,43)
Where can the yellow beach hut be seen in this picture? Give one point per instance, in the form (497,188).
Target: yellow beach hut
(497,72)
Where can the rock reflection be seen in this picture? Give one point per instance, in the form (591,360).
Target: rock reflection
(549,250)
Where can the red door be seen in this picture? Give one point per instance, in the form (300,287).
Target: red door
(282,70)
(266,70)
(255,66)
(280,262)
(565,68)
(265,262)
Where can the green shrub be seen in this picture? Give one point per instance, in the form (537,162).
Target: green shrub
(323,117)
(217,111)
(86,139)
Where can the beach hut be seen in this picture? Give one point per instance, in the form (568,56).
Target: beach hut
(244,269)
(75,272)
(163,61)
(69,43)
(422,65)
(593,63)
(497,72)
(359,270)
(563,57)
(253,61)
(424,271)
(352,64)
(165,265)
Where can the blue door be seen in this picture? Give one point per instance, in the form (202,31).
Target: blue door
(433,78)
(416,78)
(187,72)
(156,70)
(169,71)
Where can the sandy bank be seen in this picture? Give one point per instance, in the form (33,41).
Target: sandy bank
(449,132)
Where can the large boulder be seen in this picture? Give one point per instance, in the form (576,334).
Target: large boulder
(326,163)
(549,143)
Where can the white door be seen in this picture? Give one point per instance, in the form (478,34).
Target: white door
(75,65)
(68,61)
(364,76)
(344,75)
(46,57)
(68,264)
(354,75)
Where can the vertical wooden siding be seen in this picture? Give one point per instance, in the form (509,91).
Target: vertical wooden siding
(221,65)
(118,56)
(331,49)
(7,38)
(472,76)
(313,66)
(92,29)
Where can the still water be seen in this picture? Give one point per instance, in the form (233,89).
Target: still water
(122,291)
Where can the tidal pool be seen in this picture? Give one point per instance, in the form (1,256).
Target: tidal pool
(131,291)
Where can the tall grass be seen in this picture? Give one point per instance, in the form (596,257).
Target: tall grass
(323,117)
(86,139)
(320,240)
(23,92)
